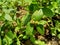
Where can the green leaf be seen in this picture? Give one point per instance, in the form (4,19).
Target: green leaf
(25,37)
(4,41)
(25,19)
(0,14)
(0,42)
(42,22)
(37,15)
(18,42)
(53,31)
(34,2)
(33,8)
(58,2)
(32,38)
(47,12)
(17,29)
(40,29)
(40,42)
(58,36)
(57,23)
(9,40)
(29,29)
(28,1)
(10,34)
(8,17)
